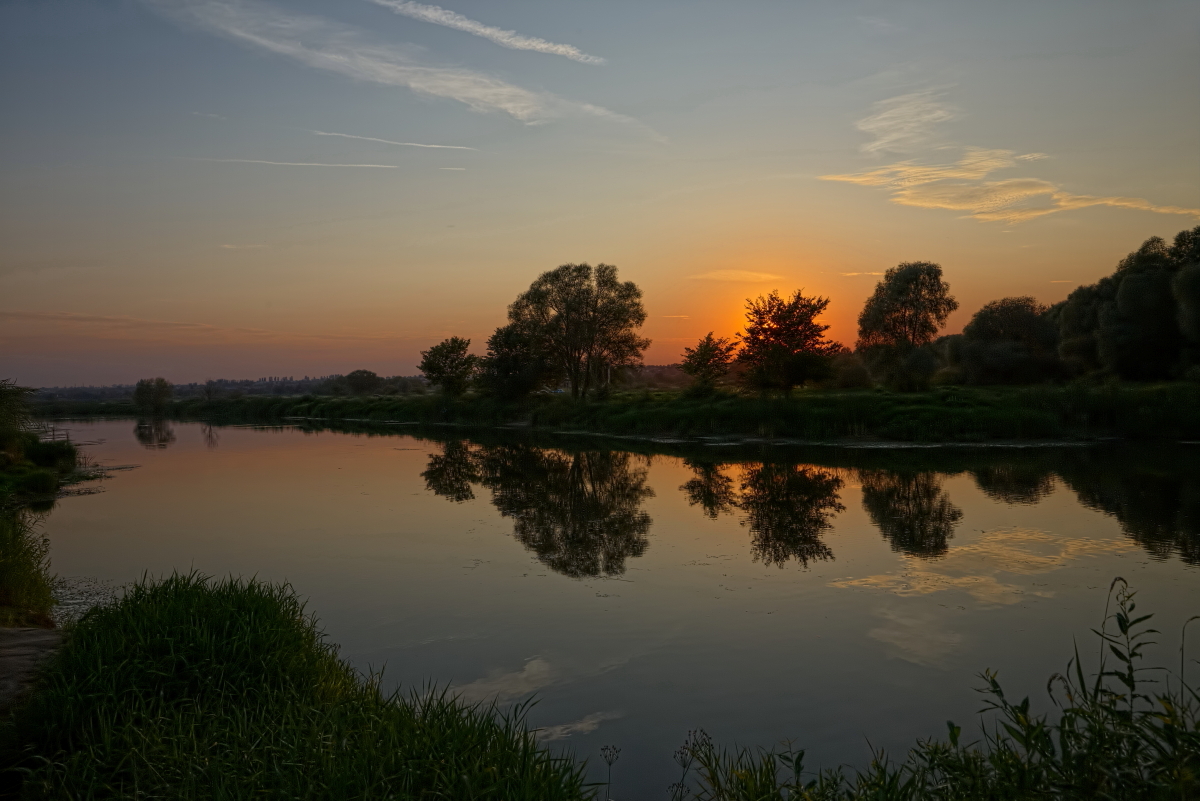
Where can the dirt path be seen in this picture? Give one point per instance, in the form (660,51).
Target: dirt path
(21,652)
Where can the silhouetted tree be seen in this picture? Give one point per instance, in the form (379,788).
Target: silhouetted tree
(788,508)
(584,321)
(1008,341)
(152,394)
(710,489)
(908,308)
(449,366)
(708,362)
(516,363)
(783,346)
(1140,322)
(912,510)
(363,382)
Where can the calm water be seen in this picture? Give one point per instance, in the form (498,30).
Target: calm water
(834,597)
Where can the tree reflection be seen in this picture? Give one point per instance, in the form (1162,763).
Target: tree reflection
(1156,501)
(787,510)
(1014,483)
(450,474)
(787,507)
(912,510)
(579,512)
(211,438)
(710,489)
(155,433)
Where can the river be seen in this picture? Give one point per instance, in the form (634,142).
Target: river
(846,599)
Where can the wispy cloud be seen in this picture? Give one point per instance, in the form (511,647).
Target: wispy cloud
(511,39)
(327,45)
(390,142)
(862,273)
(961,187)
(584,725)
(676,317)
(299,163)
(905,122)
(456,169)
(241,247)
(210,116)
(736,275)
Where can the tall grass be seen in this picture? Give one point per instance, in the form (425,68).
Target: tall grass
(26,592)
(1118,734)
(189,688)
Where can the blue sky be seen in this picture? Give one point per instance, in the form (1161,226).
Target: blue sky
(235,189)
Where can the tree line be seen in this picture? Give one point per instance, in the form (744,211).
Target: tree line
(576,324)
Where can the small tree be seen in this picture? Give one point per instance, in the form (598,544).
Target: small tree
(362,382)
(708,362)
(515,364)
(783,345)
(449,366)
(152,394)
(910,305)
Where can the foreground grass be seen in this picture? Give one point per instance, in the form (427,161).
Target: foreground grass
(189,688)
(26,592)
(1160,411)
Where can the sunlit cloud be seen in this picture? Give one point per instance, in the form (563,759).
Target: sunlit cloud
(862,273)
(510,39)
(905,122)
(390,142)
(326,45)
(455,169)
(745,276)
(676,317)
(960,187)
(584,725)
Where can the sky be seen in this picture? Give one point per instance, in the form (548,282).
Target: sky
(224,189)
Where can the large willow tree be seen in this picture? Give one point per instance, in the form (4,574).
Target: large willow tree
(583,322)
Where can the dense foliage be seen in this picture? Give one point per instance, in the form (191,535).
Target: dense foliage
(783,345)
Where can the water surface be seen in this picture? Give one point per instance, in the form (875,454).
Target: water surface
(845,599)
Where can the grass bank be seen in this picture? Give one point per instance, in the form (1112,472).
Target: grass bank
(950,414)
(199,689)
(189,688)
(31,469)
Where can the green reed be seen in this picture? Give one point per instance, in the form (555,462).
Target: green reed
(26,586)
(193,688)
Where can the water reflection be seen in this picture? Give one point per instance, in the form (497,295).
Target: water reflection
(788,508)
(155,433)
(579,512)
(211,438)
(912,511)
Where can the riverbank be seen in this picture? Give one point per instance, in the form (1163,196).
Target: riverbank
(189,687)
(949,414)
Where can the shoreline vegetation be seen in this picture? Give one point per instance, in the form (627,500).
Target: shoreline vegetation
(189,687)
(1073,412)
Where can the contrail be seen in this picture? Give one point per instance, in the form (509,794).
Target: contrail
(390,142)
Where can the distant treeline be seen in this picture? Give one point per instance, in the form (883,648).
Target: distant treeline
(235,388)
